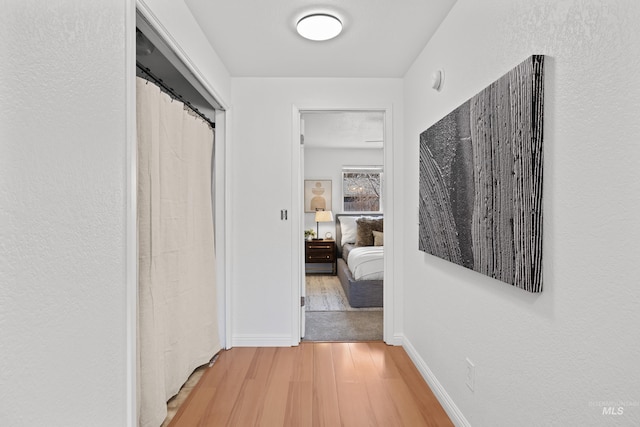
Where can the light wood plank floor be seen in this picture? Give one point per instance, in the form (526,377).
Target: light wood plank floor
(314,384)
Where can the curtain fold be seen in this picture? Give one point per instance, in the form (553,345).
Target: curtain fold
(177,309)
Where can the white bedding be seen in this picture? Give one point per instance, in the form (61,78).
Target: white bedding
(367,262)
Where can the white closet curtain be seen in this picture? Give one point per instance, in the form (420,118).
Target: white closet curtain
(177,315)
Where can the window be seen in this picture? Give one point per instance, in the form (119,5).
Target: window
(362,188)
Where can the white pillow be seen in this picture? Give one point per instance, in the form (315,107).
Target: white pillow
(349,228)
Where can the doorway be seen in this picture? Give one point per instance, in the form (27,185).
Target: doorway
(342,163)
(177,78)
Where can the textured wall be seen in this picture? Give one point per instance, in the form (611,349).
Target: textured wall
(552,358)
(62,213)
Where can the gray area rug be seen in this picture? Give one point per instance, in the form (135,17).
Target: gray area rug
(343,326)
(325,293)
(329,317)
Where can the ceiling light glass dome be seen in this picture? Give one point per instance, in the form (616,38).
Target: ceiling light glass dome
(319,27)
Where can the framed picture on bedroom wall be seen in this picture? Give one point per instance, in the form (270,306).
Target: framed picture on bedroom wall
(362,188)
(317,195)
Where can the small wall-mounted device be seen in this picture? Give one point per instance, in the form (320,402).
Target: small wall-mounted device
(437,79)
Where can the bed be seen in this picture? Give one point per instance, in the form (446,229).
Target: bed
(363,282)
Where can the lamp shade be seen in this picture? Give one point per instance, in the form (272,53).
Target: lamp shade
(324,216)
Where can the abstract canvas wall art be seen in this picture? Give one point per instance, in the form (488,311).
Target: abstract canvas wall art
(481,180)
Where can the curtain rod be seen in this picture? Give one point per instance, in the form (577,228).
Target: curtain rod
(155,79)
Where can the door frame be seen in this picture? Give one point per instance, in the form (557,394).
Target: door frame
(221,175)
(297,223)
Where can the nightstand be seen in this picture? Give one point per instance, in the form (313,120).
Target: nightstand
(320,252)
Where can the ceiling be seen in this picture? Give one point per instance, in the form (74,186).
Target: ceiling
(257,38)
(343,129)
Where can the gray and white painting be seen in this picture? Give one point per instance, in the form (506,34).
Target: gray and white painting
(481,180)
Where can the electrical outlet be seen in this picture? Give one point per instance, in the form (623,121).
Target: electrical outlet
(471,375)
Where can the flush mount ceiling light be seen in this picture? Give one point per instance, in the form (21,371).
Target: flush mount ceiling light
(319,27)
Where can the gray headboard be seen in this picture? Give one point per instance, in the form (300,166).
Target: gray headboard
(339,230)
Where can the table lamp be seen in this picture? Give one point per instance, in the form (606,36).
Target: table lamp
(322,216)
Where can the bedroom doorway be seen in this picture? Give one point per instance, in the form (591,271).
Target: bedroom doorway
(342,166)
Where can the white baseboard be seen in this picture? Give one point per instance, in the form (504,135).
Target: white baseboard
(397,339)
(441,394)
(241,340)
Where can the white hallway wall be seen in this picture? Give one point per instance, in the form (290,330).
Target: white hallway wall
(63,186)
(261,186)
(546,359)
(62,217)
(327,163)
